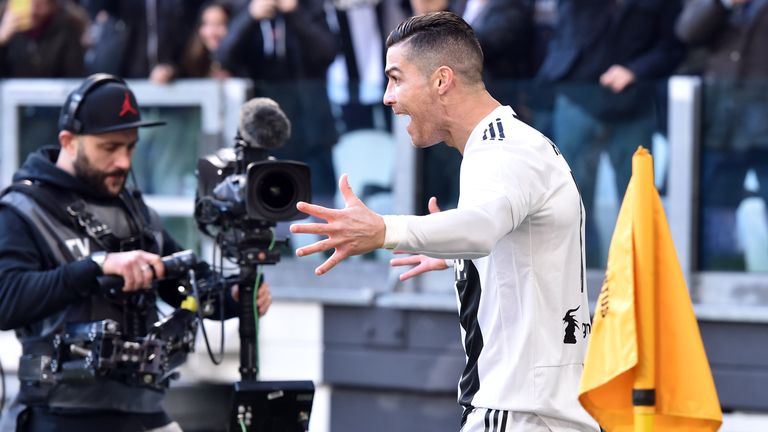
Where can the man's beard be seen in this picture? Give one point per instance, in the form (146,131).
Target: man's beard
(94,179)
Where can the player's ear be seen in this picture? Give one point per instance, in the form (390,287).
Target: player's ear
(443,79)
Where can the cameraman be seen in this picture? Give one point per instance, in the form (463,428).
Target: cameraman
(67,220)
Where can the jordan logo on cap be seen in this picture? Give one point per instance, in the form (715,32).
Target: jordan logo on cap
(127,107)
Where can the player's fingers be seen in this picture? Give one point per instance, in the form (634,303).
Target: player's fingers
(309,228)
(320,246)
(410,260)
(330,263)
(346,190)
(432,205)
(411,273)
(315,210)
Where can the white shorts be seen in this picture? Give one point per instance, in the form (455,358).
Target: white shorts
(490,420)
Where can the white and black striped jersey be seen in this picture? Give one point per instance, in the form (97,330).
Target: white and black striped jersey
(517,240)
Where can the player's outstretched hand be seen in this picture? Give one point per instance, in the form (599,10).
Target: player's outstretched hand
(353,230)
(421,263)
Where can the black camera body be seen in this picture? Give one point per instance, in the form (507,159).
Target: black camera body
(242,193)
(267,190)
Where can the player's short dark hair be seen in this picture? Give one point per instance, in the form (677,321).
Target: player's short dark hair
(441,39)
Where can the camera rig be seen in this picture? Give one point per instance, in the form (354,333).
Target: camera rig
(242,194)
(102,349)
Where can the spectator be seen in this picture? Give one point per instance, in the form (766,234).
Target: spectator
(356,80)
(735,130)
(606,55)
(505,31)
(140,39)
(212,27)
(43,41)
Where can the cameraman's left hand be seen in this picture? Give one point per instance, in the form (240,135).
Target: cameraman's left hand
(263,297)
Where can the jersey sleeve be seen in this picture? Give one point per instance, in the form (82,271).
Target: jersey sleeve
(501,185)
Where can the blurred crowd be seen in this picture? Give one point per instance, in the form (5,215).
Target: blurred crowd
(589,73)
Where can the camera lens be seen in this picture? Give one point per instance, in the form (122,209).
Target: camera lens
(274,188)
(277,191)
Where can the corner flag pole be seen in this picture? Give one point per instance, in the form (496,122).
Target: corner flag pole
(644,389)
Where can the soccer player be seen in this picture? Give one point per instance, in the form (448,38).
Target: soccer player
(516,237)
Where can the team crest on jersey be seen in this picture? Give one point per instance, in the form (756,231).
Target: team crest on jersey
(572,325)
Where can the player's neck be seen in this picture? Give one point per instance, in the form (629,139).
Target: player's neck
(465,114)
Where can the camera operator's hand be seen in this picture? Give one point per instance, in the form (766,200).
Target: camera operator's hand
(263,297)
(137,268)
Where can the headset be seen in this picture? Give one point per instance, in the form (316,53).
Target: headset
(68,120)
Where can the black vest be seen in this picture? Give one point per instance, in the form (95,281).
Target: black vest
(69,243)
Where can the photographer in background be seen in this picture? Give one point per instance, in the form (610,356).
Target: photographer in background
(41,39)
(68,219)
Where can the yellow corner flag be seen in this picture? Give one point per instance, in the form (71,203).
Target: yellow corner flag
(646,369)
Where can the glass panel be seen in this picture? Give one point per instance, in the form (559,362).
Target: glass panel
(166,156)
(38,126)
(733,176)
(184,231)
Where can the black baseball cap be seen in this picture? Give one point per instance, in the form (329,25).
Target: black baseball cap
(103,103)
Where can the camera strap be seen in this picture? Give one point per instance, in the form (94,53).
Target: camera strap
(70,210)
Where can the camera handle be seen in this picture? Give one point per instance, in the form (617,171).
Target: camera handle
(249,347)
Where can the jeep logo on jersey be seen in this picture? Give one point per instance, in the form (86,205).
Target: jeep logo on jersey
(571,324)
(80,247)
(460,270)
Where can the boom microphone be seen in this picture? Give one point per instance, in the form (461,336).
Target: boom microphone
(263,125)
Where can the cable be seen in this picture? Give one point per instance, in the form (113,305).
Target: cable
(257,284)
(272,242)
(2,387)
(195,292)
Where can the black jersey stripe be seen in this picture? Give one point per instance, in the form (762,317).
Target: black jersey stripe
(581,231)
(487,421)
(504,422)
(464,415)
(496,421)
(469,291)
